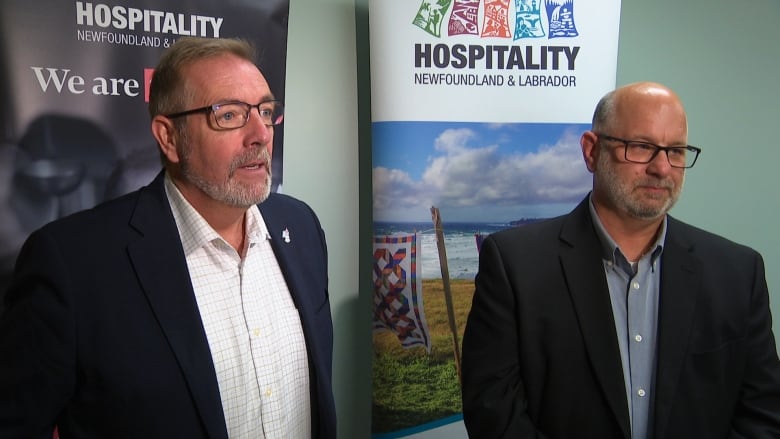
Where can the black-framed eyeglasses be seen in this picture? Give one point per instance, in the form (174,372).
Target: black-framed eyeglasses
(235,114)
(645,152)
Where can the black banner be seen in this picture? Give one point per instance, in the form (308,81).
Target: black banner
(74,82)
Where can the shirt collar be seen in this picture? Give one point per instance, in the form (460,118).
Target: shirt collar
(195,231)
(609,247)
(255,226)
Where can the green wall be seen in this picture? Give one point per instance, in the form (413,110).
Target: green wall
(326,165)
(721,57)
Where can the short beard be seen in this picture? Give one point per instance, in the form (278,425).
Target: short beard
(620,195)
(229,191)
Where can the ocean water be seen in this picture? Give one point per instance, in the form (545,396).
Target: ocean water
(459,241)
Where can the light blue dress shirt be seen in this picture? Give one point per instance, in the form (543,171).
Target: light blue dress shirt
(634,290)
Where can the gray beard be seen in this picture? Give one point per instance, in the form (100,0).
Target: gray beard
(229,191)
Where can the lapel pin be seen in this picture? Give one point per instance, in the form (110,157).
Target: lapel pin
(286,235)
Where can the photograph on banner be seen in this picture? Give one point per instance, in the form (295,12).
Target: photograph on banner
(74,92)
(482,178)
(477,111)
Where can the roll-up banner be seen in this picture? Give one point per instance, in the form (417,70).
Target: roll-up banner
(74,84)
(477,109)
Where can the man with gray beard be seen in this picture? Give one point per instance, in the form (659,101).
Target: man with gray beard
(617,320)
(195,307)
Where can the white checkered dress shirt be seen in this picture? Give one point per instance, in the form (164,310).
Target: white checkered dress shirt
(253,328)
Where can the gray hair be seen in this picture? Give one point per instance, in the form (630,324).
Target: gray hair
(168,92)
(604,112)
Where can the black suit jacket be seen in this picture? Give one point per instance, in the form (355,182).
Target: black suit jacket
(540,352)
(102,334)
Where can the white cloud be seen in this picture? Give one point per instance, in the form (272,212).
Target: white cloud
(467,176)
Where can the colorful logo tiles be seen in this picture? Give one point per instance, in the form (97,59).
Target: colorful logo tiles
(528,23)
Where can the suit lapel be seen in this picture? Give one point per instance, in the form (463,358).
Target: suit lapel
(161,268)
(584,271)
(680,283)
(286,243)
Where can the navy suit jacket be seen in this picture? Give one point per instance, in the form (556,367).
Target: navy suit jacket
(102,336)
(540,352)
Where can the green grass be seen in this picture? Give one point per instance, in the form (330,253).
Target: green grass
(410,386)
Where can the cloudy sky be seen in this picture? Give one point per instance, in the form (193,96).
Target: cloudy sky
(476,172)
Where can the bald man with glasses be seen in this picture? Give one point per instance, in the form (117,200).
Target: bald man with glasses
(618,320)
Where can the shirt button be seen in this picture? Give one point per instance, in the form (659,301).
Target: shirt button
(641,392)
(256,332)
(636,285)
(268,393)
(638,338)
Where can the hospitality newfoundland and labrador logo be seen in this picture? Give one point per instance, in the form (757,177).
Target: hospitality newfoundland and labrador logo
(497,43)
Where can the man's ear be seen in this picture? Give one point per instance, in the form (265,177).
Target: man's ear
(167,137)
(590,150)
